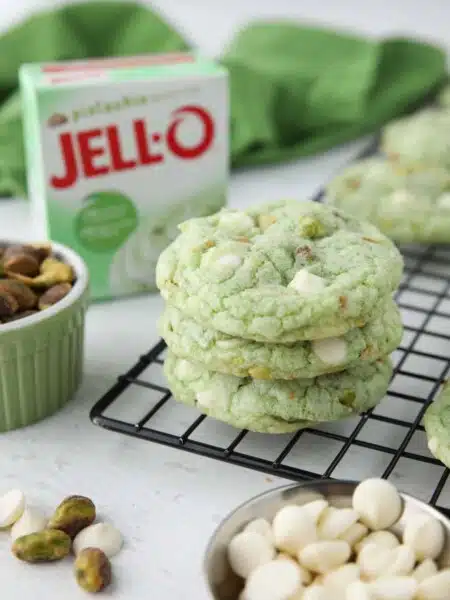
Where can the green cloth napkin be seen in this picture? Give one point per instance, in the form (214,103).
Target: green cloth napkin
(295,90)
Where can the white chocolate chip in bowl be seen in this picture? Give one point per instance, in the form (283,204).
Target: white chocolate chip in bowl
(12,505)
(339,579)
(354,534)
(425,569)
(425,535)
(316,592)
(393,588)
(275,580)
(376,561)
(321,557)
(378,503)
(436,587)
(261,526)
(293,529)
(315,508)
(247,551)
(331,351)
(103,536)
(358,590)
(384,539)
(335,521)
(307,283)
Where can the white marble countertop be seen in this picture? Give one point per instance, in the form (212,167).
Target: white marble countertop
(166,502)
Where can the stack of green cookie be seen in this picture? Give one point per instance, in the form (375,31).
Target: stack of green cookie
(280,316)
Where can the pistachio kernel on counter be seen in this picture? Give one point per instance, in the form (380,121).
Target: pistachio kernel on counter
(93,570)
(73,514)
(44,546)
(31,279)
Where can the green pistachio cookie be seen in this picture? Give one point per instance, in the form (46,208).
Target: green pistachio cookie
(437,425)
(220,352)
(281,272)
(408,206)
(277,406)
(419,140)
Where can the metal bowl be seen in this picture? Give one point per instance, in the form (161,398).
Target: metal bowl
(223,584)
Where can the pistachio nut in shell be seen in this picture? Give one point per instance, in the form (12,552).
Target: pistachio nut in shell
(92,570)
(23,263)
(42,546)
(25,296)
(8,305)
(73,514)
(53,295)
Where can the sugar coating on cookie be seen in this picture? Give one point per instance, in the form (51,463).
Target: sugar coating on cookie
(292,271)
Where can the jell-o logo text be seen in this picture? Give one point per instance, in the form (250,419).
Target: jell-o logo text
(83,153)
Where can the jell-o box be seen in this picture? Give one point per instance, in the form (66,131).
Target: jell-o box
(121,150)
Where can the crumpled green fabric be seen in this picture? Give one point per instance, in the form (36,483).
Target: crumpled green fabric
(295,90)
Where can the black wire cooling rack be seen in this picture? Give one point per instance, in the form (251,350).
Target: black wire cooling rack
(388,441)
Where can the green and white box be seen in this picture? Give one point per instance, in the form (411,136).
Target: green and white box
(119,151)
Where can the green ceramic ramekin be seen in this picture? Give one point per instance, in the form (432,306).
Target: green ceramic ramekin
(41,356)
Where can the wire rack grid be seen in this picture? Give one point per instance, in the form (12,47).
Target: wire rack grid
(388,441)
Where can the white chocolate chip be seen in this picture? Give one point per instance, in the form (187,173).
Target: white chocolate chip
(205,398)
(358,591)
(402,197)
(103,536)
(293,528)
(426,569)
(393,588)
(436,587)
(306,283)
(230,260)
(305,576)
(425,535)
(324,556)
(316,592)
(275,580)
(331,351)
(443,200)
(31,521)
(316,508)
(12,505)
(385,539)
(433,445)
(239,222)
(247,551)
(354,534)
(339,579)
(335,521)
(378,503)
(376,561)
(263,527)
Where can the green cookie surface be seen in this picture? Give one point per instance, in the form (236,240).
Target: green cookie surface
(281,272)
(409,207)
(277,406)
(217,351)
(437,425)
(419,140)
